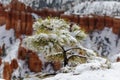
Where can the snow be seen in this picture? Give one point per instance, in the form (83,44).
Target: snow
(87,73)
(6,36)
(12,52)
(109,8)
(104,42)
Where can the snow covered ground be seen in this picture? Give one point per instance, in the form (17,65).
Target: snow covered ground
(89,71)
(84,72)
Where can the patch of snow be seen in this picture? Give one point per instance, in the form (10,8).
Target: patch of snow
(12,52)
(104,42)
(6,36)
(86,73)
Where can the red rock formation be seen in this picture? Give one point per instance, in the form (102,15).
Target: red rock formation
(0,60)
(22,53)
(16,5)
(29,28)
(34,63)
(16,19)
(14,64)
(18,29)
(91,23)
(84,22)
(75,19)
(29,9)
(2,15)
(67,17)
(7,73)
(0,51)
(116,25)
(23,22)
(118,59)
(13,19)
(8,20)
(20,6)
(108,21)
(99,22)
(13,5)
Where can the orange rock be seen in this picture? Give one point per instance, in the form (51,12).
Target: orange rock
(84,23)
(118,59)
(116,25)
(56,65)
(23,22)
(1,51)
(29,9)
(2,15)
(8,20)
(29,28)
(7,73)
(13,19)
(76,19)
(67,17)
(13,5)
(0,60)
(99,21)
(22,53)
(14,64)
(34,63)
(108,21)
(91,23)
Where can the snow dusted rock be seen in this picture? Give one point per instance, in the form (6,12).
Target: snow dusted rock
(104,42)
(109,8)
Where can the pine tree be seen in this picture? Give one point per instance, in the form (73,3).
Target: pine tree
(56,40)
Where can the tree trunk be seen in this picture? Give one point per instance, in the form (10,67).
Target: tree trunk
(65,58)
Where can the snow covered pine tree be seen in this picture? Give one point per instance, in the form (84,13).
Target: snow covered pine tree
(56,40)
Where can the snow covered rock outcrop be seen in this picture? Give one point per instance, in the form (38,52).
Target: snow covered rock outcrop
(110,8)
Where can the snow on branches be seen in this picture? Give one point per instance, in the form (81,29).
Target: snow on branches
(51,33)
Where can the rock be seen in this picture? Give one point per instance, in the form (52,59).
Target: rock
(22,53)
(0,60)
(14,64)
(8,20)
(7,72)
(118,59)
(23,22)
(116,25)
(83,22)
(29,28)
(34,63)
(57,65)
(108,21)
(91,23)
(1,51)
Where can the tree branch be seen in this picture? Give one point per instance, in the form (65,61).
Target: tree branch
(72,48)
